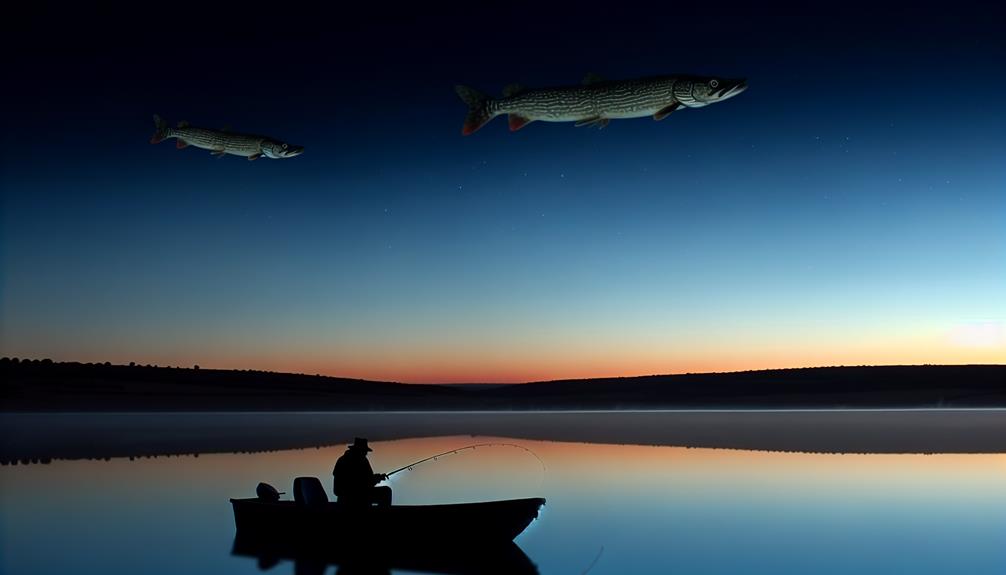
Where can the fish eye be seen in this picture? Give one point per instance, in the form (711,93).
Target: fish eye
(714,83)
(284,146)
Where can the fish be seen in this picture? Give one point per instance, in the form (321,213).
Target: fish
(220,142)
(596,101)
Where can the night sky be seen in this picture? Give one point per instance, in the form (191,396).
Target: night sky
(849,208)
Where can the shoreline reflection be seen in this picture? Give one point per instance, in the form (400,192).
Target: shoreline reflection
(41,438)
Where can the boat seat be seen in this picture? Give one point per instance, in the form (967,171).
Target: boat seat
(308,491)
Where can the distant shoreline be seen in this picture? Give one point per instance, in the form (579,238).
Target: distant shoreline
(43,386)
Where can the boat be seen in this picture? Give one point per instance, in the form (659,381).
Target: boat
(312,517)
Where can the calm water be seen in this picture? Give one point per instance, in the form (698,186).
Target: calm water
(612,508)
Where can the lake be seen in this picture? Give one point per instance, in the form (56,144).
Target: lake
(670,492)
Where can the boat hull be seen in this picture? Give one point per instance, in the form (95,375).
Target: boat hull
(484,522)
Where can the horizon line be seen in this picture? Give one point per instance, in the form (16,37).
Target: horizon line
(7,360)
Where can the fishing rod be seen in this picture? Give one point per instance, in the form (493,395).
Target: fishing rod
(472,447)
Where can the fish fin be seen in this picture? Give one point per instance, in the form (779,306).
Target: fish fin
(666,111)
(217,153)
(160,130)
(181,144)
(603,123)
(183,124)
(517,122)
(254,157)
(478,109)
(589,121)
(512,90)
(592,78)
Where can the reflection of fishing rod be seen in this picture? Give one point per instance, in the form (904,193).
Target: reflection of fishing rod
(453,451)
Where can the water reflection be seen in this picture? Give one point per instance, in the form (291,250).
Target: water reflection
(447,559)
(651,509)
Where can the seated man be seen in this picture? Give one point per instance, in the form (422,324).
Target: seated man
(354,481)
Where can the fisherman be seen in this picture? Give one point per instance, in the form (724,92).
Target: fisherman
(354,480)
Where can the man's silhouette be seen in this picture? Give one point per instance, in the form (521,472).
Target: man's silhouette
(354,481)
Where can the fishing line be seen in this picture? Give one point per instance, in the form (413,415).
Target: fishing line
(594,562)
(473,447)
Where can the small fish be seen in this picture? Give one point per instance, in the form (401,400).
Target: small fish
(220,142)
(596,101)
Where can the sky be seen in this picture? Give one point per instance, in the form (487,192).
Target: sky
(849,208)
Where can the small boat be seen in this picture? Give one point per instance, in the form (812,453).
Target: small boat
(312,516)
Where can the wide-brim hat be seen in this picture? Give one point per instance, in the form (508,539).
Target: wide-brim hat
(360,443)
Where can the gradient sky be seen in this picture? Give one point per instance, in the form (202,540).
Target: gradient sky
(849,208)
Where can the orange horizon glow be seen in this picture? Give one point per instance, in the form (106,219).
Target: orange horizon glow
(519,354)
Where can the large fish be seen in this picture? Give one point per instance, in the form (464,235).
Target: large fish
(596,102)
(220,142)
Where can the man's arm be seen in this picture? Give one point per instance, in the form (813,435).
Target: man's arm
(375,477)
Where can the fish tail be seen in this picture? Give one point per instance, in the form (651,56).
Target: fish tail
(478,109)
(161,130)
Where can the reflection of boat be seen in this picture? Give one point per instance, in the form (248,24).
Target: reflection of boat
(379,557)
(486,522)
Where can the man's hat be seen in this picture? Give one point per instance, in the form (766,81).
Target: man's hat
(360,443)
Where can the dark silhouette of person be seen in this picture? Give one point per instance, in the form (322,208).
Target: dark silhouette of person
(354,481)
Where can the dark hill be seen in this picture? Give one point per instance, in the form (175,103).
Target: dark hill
(40,386)
(830,387)
(47,386)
